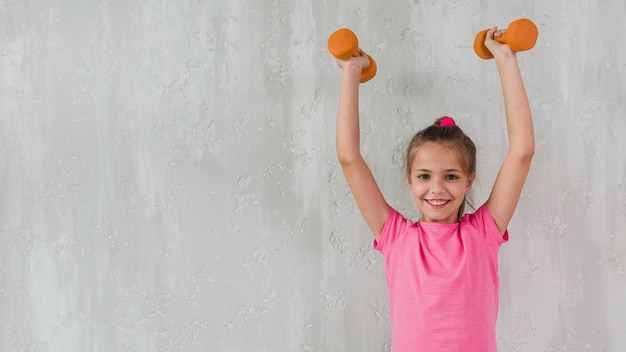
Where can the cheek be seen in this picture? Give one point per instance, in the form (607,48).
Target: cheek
(417,189)
(466,189)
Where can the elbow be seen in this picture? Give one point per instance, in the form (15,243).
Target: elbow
(525,150)
(524,155)
(528,152)
(347,158)
(528,157)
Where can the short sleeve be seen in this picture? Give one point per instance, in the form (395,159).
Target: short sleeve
(483,221)
(395,226)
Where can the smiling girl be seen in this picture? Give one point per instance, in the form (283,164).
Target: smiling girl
(442,271)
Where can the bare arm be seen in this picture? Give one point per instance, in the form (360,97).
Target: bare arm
(366,193)
(512,175)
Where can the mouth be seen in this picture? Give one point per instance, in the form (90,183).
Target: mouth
(437,203)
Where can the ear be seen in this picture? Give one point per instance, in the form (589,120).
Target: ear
(470,182)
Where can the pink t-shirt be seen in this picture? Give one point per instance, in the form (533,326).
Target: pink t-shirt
(443,282)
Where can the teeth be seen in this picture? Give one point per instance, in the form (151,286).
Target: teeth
(437,202)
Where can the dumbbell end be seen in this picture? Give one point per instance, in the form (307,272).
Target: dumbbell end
(343,43)
(479,46)
(522,34)
(369,72)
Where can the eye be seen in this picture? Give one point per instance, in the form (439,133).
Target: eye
(423,177)
(452,177)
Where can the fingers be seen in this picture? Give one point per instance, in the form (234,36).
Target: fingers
(361,60)
(494,32)
(496,45)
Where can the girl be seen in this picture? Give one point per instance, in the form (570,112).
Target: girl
(442,271)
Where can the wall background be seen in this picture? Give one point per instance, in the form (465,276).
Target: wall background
(168,180)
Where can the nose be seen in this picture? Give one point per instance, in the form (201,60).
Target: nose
(437,185)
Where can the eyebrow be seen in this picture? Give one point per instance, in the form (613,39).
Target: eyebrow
(446,170)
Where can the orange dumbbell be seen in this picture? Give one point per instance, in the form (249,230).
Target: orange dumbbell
(343,44)
(520,36)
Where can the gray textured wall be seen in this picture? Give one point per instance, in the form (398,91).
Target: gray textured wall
(168,179)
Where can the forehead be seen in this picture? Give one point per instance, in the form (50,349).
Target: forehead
(436,157)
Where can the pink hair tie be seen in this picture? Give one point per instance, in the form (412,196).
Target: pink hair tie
(447,121)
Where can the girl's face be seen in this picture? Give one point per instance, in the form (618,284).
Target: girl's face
(438,183)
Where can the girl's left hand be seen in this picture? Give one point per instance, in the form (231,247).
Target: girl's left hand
(496,48)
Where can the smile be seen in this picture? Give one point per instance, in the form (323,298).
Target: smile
(437,202)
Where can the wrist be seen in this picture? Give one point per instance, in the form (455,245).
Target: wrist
(509,58)
(351,68)
(351,76)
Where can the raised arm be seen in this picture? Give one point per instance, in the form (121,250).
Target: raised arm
(512,175)
(366,193)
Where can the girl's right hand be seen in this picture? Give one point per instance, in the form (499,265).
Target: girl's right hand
(359,62)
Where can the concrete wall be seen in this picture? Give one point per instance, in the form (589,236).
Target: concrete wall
(168,180)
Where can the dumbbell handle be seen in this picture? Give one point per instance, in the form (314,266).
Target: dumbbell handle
(520,36)
(344,44)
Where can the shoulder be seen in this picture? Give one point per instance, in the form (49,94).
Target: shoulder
(482,222)
(395,226)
